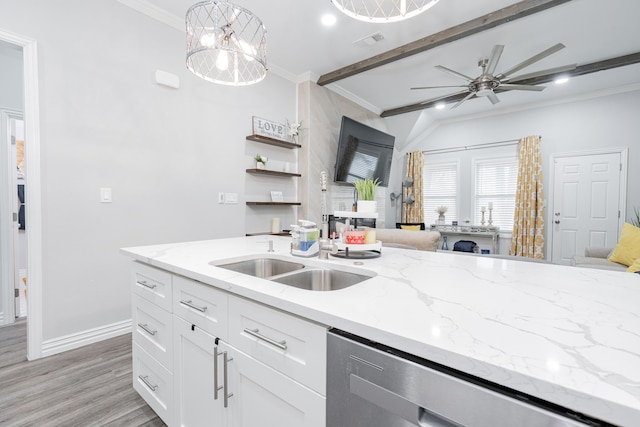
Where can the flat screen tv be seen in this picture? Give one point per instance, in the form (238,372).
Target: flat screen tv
(363,152)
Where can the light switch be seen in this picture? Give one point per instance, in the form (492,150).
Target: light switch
(105,195)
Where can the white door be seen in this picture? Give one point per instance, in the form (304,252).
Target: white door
(196,401)
(261,396)
(586,204)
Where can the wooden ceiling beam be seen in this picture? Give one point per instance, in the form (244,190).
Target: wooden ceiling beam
(580,70)
(477,25)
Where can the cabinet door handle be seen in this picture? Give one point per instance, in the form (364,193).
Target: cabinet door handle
(145,284)
(225,379)
(192,305)
(145,380)
(147,329)
(282,345)
(215,373)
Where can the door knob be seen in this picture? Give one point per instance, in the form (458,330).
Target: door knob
(557,221)
(557,213)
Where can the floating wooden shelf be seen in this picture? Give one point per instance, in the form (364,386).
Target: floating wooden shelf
(267,233)
(273,141)
(274,203)
(273,173)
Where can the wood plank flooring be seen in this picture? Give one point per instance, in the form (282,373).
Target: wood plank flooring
(89,386)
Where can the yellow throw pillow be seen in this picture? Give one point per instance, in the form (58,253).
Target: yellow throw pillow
(410,227)
(634,267)
(628,248)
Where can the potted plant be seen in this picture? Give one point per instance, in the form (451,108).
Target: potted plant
(366,189)
(261,161)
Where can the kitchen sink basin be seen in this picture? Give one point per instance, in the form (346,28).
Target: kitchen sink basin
(262,267)
(321,279)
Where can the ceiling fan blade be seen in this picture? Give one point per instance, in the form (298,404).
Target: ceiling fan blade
(569,67)
(532,60)
(493,98)
(522,87)
(432,100)
(455,73)
(457,104)
(496,52)
(434,87)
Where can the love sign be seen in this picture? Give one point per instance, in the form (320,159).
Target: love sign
(269,129)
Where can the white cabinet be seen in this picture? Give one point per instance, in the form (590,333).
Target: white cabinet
(196,378)
(205,357)
(261,396)
(289,344)
(152,335)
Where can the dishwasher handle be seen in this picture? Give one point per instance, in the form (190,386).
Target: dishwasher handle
(392,402)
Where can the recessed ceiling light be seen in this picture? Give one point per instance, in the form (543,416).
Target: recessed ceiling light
(440,106)
(561,80)
(328,19)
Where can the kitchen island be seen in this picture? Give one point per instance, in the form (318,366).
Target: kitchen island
(566,335)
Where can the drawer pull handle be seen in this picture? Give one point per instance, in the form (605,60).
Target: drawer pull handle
(145,284)
(145,380)
(256,333)
(146,328)
(190,304)
(215,373)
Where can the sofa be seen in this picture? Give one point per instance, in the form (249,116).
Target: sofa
(408,239)
(596,257)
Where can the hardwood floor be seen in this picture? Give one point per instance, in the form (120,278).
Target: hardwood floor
(89,386)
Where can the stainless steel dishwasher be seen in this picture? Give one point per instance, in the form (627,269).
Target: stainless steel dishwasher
(372,385)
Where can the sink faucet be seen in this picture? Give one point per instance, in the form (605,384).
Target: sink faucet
(326,247)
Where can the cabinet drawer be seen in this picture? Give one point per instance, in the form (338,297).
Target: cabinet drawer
(152,330)
(201,305)
(288,344)
(153,382)
(152,284)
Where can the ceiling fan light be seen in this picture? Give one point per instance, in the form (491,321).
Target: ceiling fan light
(381,11)
(226,44)
(561,80)
(484,92)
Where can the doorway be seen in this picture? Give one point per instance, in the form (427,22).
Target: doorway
(33,215)
(589,192)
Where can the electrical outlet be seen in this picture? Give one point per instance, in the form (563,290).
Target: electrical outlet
(220,197)
(231,198)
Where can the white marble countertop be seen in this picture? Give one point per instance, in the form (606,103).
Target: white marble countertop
(567,335)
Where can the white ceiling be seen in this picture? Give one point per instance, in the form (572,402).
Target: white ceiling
(298,44)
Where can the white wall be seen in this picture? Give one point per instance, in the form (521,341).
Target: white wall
(609,121)
(104,123)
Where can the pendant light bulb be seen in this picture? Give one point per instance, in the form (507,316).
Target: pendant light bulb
(222,63)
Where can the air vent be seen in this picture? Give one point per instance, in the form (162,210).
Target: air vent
(369,40)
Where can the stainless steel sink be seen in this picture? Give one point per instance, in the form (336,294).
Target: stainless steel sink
(321,279)
(262,267)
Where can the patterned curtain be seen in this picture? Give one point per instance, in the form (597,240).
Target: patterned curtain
(413,212)
(528,223)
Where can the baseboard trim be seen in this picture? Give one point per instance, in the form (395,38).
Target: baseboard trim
(80,339)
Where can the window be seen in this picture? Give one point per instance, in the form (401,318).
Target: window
(440,188)
(495,183)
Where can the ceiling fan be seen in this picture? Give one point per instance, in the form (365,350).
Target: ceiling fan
(486,84)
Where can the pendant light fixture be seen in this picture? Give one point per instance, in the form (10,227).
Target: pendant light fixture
(383,10)
(226,44)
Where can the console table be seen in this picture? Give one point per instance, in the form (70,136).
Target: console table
(469,231)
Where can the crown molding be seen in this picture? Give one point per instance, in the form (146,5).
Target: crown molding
(155,12)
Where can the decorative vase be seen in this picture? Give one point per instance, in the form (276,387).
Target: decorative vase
(445,246)
(367,206)
(441,219)
(260,165)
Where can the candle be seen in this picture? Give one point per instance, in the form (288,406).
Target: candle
(490,205)
(482,209)
(275,225)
